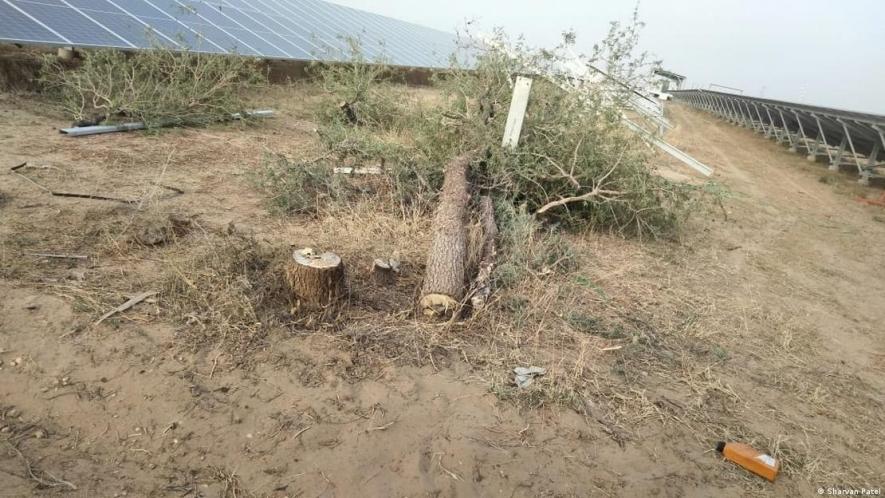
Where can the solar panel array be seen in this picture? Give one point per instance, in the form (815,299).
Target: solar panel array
(278,29)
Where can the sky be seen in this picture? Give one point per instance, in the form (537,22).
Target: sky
(821,52)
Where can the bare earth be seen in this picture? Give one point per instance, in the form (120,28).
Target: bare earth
(764,324)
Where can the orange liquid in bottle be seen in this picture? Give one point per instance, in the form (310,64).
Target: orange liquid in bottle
(749,458)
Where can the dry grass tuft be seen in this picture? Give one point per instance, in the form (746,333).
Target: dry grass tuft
(228,294)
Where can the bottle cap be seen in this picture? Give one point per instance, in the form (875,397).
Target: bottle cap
(720,446)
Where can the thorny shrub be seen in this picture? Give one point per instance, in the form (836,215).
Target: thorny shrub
(159,86)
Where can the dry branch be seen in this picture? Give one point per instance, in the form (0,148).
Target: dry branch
(52,482)
(597,192)
(96,197)
(446,262)
(125,306)
(58,256)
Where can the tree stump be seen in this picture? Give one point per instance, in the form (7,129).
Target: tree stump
(317,280)
(446,262)
(384,272)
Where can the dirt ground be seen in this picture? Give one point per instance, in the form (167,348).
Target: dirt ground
(763,324)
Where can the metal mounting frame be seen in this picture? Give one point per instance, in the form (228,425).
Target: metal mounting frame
(844,138)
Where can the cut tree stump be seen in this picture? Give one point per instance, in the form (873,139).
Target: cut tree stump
(317,280)
(446,262)
(385,271)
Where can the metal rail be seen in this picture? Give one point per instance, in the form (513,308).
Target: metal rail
(844,138)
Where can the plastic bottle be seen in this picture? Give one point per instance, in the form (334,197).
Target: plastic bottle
(749,458)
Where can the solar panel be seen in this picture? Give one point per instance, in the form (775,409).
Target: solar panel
(278,29)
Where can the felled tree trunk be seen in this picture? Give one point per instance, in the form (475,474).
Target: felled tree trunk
(481,287)
(317,280)
(446,262)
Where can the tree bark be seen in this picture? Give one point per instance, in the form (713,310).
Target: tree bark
(446,262)
(481,288)
(317,280)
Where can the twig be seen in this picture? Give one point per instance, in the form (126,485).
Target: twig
(302,431)
(59,395)
(54,483)
(18,166)
(170,187)
(571,178)
(214,365)
(41,187)
(156,182)
(447,471)
(58,256)
(90,196)
(125,306)
(381,427)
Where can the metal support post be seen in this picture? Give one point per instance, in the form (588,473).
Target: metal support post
(866,172)
(836,159)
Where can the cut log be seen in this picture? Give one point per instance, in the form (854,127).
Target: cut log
(481,287)
(444,279)
(385,271)
(317,280)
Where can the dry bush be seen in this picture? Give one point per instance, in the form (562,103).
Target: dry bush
(159,86)
(360,92)
(230,294)
(298,187)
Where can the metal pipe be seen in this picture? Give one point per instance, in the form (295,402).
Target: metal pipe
(79,131)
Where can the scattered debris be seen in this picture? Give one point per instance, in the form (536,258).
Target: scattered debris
(611,348)
(367,170)
(879,201)
(125,306)
(526,376)
(746,456)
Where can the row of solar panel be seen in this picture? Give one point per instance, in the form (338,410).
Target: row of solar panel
(285,29)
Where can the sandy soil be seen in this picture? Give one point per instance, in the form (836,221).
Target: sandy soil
(764,324)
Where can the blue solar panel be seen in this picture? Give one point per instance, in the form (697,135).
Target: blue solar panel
(284,29)
(16,26)
(71,25)
(128,27)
